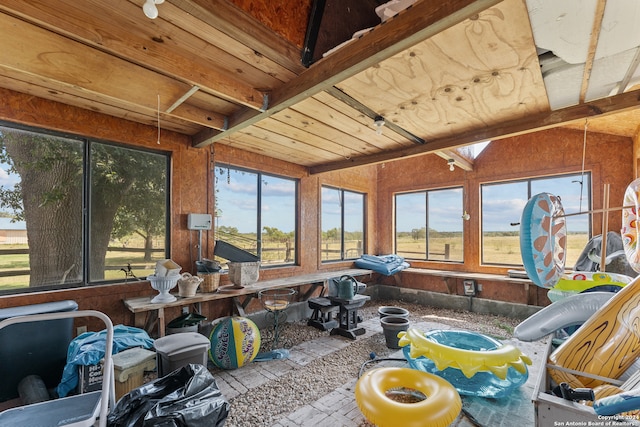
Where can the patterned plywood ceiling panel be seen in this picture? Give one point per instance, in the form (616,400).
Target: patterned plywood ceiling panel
(478,73)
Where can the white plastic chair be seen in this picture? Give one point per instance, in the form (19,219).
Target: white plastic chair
(82,410)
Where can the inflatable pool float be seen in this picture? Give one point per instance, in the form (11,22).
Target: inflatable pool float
(630,231)
(439,407)
(571,311)
(624,401)
(543,239)
(605,345)
(585,281)
(475,364)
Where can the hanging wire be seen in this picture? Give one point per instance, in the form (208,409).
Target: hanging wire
(584,152)
(158,119)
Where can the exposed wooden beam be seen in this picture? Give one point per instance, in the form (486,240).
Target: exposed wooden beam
(630,71)
(593,46)
(458,160)
(418,23)
(225,16)
(143,44)
(547,120)
(354,103)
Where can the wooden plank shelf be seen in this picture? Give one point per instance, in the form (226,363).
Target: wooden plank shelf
(154,312)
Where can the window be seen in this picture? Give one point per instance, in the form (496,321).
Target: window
(258,213)
(429,225)
(502,205)
(343,219)
(76,211)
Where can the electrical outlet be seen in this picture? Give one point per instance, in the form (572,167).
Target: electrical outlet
(81,330)
(479,287)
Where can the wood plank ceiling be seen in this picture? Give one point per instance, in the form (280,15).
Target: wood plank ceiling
(442,74)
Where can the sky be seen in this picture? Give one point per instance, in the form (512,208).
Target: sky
(502,204)
(237,202)
(8,181)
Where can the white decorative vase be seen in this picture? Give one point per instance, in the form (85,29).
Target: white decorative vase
(163,285)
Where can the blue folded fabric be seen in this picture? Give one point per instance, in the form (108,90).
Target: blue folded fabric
(383,264)
(89,348)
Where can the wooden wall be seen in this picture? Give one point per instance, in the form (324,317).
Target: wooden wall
(288,18)
(555,151)
(551,152)
(192,192)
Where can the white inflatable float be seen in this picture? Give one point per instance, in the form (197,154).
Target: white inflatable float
(573,310)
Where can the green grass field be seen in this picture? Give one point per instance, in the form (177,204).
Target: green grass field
(498,249)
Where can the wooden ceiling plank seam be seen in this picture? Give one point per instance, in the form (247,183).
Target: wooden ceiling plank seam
(150,52)
(335,104)
(271,149)
(323,130)
(593,45)
(416,23)
(63,60)
(304,136)
(240,26)
(233,47)
(357,105)
(285,145)
(547,120)
(348,125)
(34,87)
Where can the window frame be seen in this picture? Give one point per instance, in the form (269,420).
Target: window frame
(586,180)
(259,214)
(343,250)
(425,193)
(87,143)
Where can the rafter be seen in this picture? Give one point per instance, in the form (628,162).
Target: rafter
(547,120)
(420,22)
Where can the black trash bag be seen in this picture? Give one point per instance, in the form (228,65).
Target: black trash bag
(187,397)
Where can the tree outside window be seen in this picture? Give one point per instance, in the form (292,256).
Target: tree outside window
(89,211)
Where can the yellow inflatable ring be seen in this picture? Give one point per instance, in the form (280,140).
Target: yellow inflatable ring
(469,362)
(440,408)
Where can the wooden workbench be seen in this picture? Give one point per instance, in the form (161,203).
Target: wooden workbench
(154,312)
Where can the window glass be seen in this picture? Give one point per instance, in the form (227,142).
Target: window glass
(251,204)
(411,225)
(47,242)
(128,211)
(502,205)
(353,224)
(444,215)
(429,225)
(342,224)
(278,220)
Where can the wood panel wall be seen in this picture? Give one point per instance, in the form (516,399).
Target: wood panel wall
(191,192)
(551,152)
(607,157)
(287,18)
